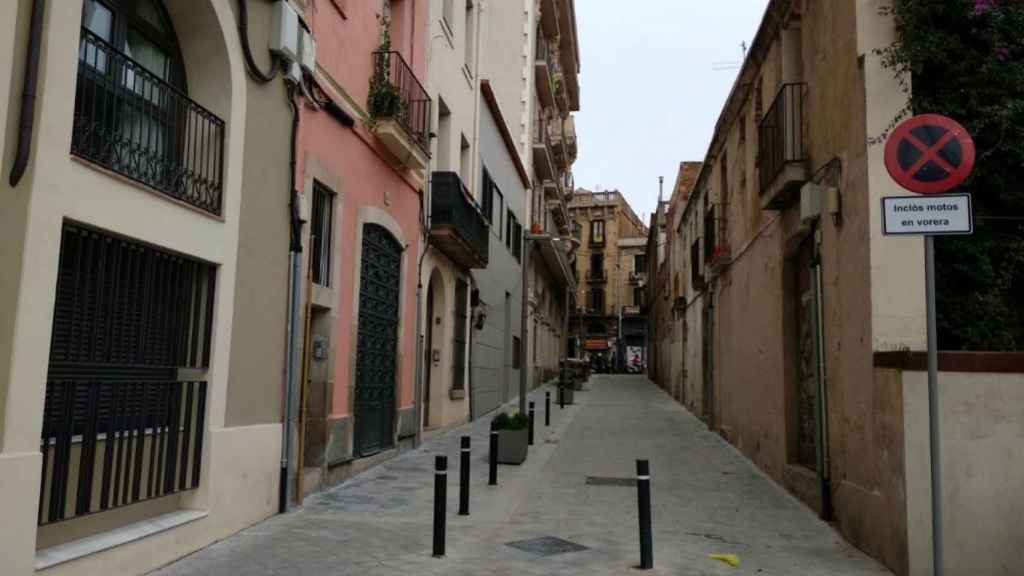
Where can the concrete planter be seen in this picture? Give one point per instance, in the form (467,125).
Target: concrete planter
(512,446)
(567,393)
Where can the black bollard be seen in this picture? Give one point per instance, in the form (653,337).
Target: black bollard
(493,476)
(440,499)
(561,397)
(530,442)
(464,478)
(643,496)
(547,408)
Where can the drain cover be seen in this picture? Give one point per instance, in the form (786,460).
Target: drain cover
(546,546)
(610,481)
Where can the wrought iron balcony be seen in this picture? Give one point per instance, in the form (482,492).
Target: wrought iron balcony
(783,157)
(543,157)
(400,108)
(131,122)
(597,276)
(542,70)
(457,227)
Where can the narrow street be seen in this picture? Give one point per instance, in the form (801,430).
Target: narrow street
(707,499)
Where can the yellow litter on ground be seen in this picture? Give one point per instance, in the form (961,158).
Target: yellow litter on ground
(730,559)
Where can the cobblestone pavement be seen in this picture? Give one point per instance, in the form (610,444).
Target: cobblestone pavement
(707,499)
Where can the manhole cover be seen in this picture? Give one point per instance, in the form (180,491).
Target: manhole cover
(546,546)
(610,481)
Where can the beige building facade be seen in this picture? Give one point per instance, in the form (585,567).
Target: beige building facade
(145,243)
(611,263)
(799,328)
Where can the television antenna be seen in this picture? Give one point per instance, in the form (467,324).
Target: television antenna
(723,65)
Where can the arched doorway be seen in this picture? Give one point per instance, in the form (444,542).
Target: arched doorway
(434,339)
(376,350)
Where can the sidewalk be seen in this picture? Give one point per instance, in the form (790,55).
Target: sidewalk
(707,499)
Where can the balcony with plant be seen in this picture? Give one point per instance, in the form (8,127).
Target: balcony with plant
(399,107)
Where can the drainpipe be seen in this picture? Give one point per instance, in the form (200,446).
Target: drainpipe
(294,276)
(821,406)
(28,95)
(420,368)
(524,319)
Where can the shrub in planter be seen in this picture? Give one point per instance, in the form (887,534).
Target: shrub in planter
(513,437)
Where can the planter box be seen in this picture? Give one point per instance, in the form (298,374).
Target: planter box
(568,393)
(512,446)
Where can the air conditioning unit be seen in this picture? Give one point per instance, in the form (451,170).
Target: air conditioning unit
(810,203)
(307,51)
(284,32)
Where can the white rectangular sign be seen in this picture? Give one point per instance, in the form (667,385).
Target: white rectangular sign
(938,215)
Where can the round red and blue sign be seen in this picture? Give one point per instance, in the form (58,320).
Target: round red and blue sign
(929,154)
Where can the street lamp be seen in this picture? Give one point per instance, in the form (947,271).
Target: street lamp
(528,241)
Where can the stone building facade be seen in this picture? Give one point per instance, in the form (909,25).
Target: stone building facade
(611,263)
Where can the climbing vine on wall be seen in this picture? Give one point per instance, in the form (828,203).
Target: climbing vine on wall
(965,59)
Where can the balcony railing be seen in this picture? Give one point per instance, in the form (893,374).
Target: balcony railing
(597,276)
(115,440)
(131,122)
(396,94)
(780,139)
(457,226)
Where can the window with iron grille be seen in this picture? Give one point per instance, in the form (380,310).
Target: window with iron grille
(321,234)
(132,329)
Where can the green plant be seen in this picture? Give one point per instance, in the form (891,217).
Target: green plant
(965,59)
(384,100)
(503,421)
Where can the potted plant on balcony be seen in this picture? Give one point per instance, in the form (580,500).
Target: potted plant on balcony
(513,437)
(384,100)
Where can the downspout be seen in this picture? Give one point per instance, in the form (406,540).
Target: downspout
(294,275)
(821,407)
(28,95)
(524,327)
(418,388)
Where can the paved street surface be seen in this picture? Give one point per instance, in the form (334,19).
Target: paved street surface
(707,499)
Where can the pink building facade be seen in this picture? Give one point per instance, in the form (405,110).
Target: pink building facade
(359,173)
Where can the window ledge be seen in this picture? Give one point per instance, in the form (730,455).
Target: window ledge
(50,557)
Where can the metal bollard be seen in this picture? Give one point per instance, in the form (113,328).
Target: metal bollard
(561,397)
(493,476)
(440,499)
(643,496)
(547,408)
(464,478)
(530,442)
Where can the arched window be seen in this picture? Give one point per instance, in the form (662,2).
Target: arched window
(142,31)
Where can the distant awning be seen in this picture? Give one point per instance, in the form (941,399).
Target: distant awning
(597,344)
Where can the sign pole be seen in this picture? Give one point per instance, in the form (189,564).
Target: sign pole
(933,404)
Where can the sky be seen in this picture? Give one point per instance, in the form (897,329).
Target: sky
(649,94)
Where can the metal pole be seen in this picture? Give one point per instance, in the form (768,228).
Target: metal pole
(531,425)
(492,479)
(464,478)
(524,365)
(440,499)
(547,409)
(933,404)
(643,495)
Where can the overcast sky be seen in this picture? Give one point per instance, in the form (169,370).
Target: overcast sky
(649,94)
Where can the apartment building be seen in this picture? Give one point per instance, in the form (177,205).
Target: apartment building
(145,246)
(532,54)
(460,216)
(611,262)
(803,327)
